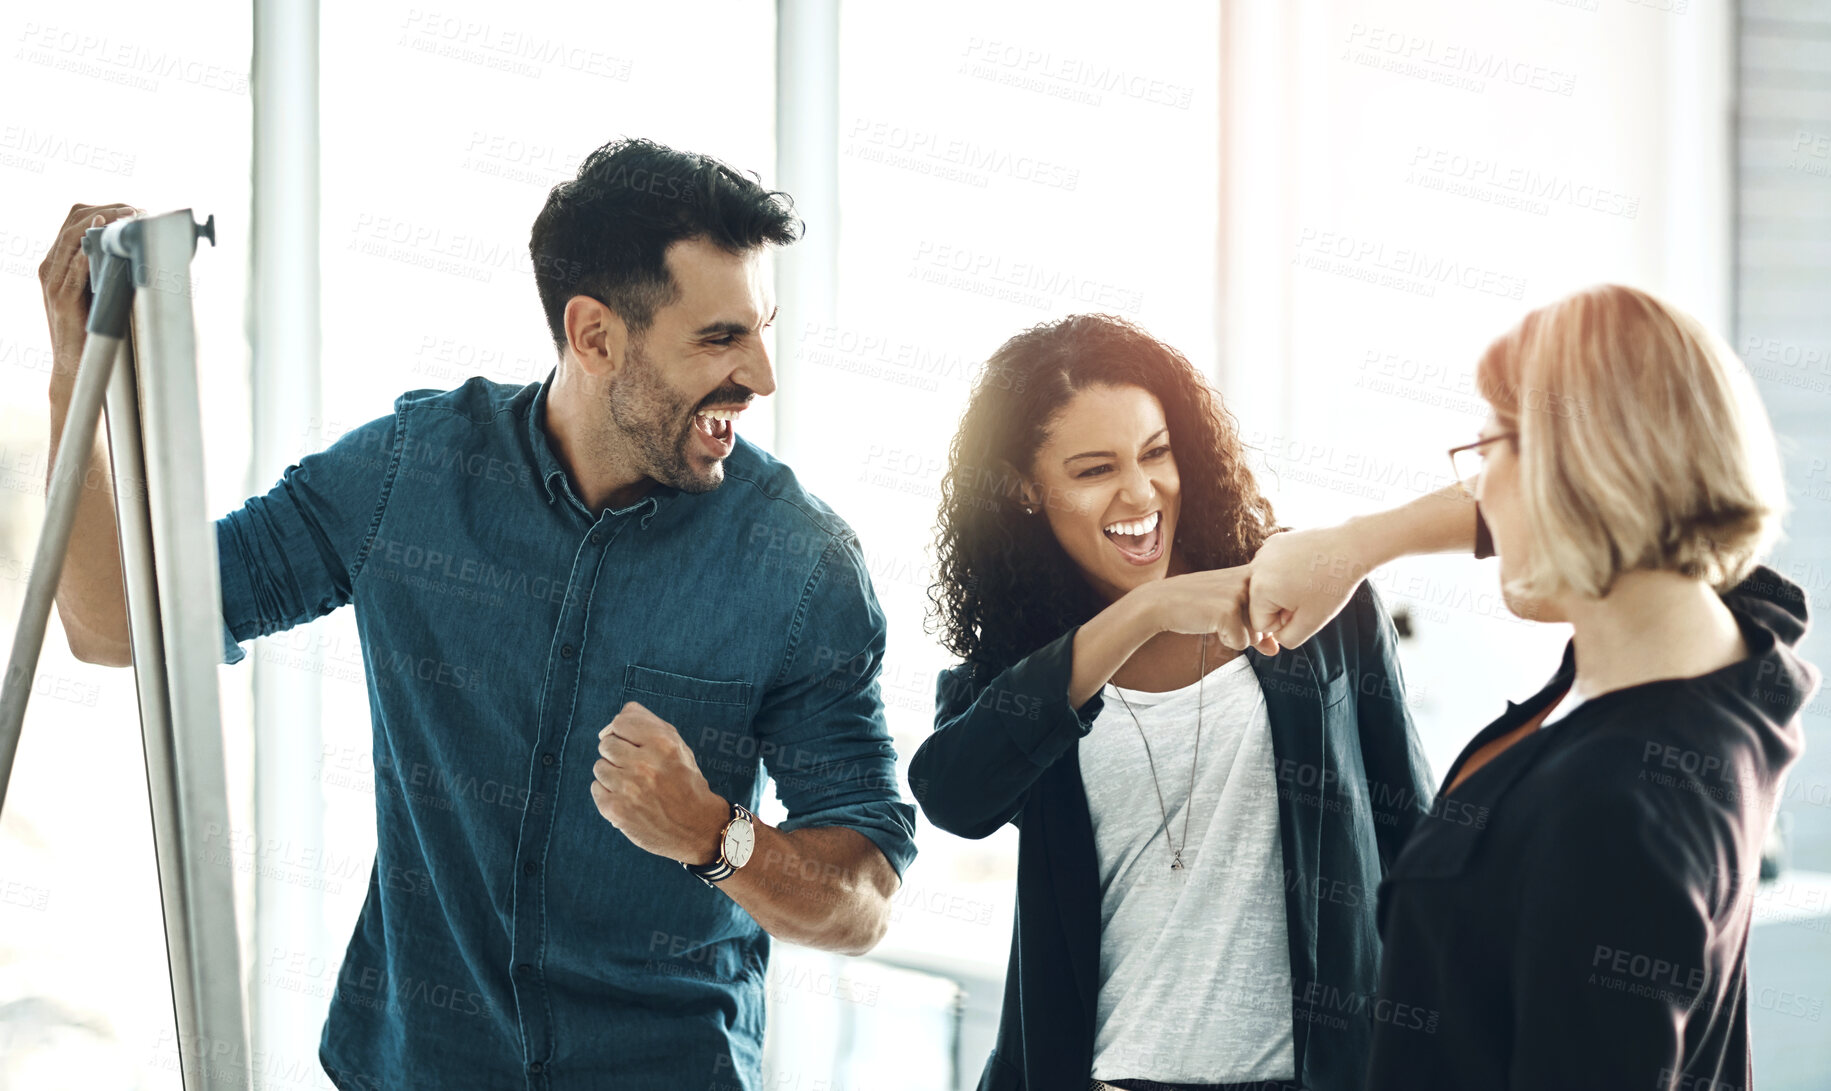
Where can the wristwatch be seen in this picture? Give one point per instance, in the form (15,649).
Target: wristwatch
(734,846)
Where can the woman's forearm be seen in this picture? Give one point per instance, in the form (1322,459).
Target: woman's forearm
(1106,640)
(1438,522)
(971,776)
(1302,578)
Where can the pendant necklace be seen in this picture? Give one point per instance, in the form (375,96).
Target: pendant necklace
(1176,851)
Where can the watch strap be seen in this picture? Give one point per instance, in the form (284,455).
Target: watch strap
(719,869)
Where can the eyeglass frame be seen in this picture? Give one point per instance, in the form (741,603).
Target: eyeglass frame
(1483,442)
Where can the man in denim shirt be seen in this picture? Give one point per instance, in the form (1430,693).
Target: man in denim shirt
(591,616)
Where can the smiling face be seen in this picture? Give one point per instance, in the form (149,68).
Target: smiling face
(1105,478)
(676,397)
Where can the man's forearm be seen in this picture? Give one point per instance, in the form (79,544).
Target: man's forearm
(824,887)
(91,601)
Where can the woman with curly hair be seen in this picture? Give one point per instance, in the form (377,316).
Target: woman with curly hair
(1194,888)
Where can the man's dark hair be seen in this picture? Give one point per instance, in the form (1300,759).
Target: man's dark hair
(605,234)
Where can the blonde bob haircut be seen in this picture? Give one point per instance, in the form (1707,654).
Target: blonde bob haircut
(1642,444)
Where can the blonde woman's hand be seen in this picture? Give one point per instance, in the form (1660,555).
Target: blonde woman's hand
(1300,580)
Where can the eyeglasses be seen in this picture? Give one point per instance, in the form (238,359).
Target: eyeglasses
(1468,460)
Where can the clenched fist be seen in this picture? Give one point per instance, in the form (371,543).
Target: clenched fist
(1211,601)
(647,784)
(1301,579)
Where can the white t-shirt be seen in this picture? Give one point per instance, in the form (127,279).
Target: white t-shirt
(1195,980)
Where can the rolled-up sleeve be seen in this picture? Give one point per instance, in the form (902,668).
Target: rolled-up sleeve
(232,652)
(293,554)
(822,721)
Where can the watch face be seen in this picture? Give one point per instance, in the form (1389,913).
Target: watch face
(739,840)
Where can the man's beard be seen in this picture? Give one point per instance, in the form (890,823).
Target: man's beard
(656,425)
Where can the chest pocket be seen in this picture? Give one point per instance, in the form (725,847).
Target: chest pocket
(712,717)
(1441,846)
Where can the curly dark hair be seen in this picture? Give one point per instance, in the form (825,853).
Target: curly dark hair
(1003,584)
(605,233)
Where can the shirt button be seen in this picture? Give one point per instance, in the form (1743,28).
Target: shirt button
(534,1068)
(524,968)
(529,868)
(597,539)
(565,651)
(546,759)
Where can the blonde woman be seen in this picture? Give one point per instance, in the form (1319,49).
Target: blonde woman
(1575,911)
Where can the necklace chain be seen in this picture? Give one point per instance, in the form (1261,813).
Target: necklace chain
(1176,851)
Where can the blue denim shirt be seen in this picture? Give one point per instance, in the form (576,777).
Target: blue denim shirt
(513,938)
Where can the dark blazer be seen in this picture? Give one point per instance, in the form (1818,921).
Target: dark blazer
(1352,782)
(1575,914)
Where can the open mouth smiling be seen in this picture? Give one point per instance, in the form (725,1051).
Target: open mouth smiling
(717,429)
(1139,541)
